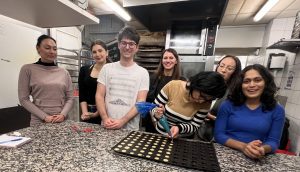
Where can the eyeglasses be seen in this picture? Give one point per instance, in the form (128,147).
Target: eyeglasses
(204,97)
(130,44)
(228,68)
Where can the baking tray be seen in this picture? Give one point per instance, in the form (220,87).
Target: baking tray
(179,152)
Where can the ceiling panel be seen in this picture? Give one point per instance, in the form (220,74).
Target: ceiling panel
(288,13)
(234,6)
(243,19)
(295,5)
(282,5)
(238,12)
(228,20)
(251,6)
(269,16)
(283,9)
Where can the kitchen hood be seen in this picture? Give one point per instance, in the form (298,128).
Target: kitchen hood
(158,15)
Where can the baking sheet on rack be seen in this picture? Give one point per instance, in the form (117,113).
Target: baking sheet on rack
(179,152)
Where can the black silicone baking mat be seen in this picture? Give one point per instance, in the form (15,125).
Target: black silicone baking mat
(178,152)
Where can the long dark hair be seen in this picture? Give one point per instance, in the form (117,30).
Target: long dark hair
(103,45)
(267,98)
(208,82)
(176,71)
(233,80)
(98,42)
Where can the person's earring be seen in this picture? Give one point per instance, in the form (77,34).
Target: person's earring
(188,84)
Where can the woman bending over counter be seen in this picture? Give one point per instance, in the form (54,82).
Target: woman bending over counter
(185,104)
(251,120)
(49,86)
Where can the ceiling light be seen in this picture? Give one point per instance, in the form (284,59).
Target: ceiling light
(263,11)
(118,9)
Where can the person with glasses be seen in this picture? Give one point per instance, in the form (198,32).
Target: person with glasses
(121,84)
(185,104)
(251,120)
(168,70)
(230,68)
(87,82)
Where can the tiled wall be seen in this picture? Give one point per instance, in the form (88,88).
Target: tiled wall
(281,28)
(276,30)
(292,108)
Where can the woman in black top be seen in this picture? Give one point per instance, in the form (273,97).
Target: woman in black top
(88,83)
(230,68)
(168,69)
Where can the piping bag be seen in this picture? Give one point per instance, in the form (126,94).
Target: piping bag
(143,109)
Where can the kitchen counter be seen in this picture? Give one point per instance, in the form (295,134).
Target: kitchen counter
(59,147)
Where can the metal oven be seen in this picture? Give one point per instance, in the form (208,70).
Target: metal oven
(193,64)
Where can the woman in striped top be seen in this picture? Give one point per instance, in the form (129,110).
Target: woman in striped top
(185,104)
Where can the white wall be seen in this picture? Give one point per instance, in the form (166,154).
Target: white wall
(281,28)
(276,30)
(69,38)
(292,108)
(17,47)
(240,36)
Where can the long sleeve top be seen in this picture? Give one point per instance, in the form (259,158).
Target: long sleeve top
(50,88)
(87,85)
(156,84)
(245,125)
(179,111)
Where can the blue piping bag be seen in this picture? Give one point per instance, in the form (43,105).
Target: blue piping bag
(143,109)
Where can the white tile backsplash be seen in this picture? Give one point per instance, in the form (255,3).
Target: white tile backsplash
(289,23)
(297,147)
(288,108)
(275,36)
(287,34)
(278,24)
(295,98)
(295,139)
(277,29)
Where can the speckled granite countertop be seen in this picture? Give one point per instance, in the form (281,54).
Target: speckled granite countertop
(57,147)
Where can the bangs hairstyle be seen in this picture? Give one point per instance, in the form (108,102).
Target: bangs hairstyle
(176,71)
(208,82)
(267,98)
(234,78)
(129,33)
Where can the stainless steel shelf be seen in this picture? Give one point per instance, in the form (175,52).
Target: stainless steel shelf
(290,45)
(47,13)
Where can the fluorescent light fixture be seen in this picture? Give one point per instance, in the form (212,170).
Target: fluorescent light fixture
(118,9)
(263,11)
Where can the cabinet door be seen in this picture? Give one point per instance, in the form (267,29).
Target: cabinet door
(17,47)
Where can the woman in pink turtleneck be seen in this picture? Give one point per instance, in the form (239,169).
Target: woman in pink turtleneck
(49,86)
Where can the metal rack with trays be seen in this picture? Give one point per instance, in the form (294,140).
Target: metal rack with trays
(72,60)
